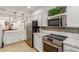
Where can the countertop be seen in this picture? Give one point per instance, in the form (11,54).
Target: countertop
(69,35)
(40,34)
(72,40)
(14,30)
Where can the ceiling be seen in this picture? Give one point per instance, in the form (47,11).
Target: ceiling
(20,10)
(9,10)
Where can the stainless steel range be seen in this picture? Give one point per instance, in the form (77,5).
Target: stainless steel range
(53,43)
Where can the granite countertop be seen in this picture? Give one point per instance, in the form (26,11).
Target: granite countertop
(9,30)
(40,34)
(13,30)
(72,42)
(69,35)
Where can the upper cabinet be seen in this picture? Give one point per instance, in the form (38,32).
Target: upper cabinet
(39,18)
(34,18)
(71,13)
(72,16)
(45,18)
(42,18)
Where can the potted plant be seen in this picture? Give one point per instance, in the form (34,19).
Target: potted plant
(57,10)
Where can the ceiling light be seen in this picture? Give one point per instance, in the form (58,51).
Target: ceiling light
(28,6)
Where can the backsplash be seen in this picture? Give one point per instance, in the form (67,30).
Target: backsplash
(62,29)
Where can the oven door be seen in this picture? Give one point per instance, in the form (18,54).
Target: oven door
(50,47)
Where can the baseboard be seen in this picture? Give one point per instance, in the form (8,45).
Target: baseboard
(36,50)
(13,43)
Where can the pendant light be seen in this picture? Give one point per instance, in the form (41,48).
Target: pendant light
(22,18)
(15,19)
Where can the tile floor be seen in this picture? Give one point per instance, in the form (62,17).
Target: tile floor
(17,47)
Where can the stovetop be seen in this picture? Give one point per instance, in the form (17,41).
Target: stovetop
(55,36)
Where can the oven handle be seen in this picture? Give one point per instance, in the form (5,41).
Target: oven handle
(59,47)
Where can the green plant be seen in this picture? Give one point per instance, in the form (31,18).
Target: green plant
(57,10)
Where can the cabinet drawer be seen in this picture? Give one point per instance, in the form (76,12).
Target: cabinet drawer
(38,38)
(39,46)
(38,43)
(70,49)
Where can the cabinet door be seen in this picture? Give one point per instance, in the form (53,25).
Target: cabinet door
(44,18)
(11,37)
(34,17)
(22,35)
(8,38)
(73,16)
(16,36)
(39,20)
(35,41)
(38,43)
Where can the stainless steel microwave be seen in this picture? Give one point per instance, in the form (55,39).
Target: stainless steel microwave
(58,21)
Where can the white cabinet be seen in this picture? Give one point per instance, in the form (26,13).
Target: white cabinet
(34,17)
(11,37)
(14,36)
(22,35)
(73,16)
(38,43)
(8,38)
(39,19)
(44,18)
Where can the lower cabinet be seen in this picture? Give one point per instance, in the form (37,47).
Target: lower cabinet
(22,35)
(38,43)
(13,37)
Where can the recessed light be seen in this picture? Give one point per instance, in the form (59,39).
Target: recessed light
(28,6)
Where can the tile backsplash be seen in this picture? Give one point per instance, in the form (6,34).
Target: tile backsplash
(62,29)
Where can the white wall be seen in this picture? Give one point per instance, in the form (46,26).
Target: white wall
(73,16)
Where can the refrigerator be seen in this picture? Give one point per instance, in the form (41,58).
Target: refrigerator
(32,27)
(1,36)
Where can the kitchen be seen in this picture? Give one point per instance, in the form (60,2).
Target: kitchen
(31,27)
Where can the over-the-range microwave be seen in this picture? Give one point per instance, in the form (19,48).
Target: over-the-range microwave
(57,21)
